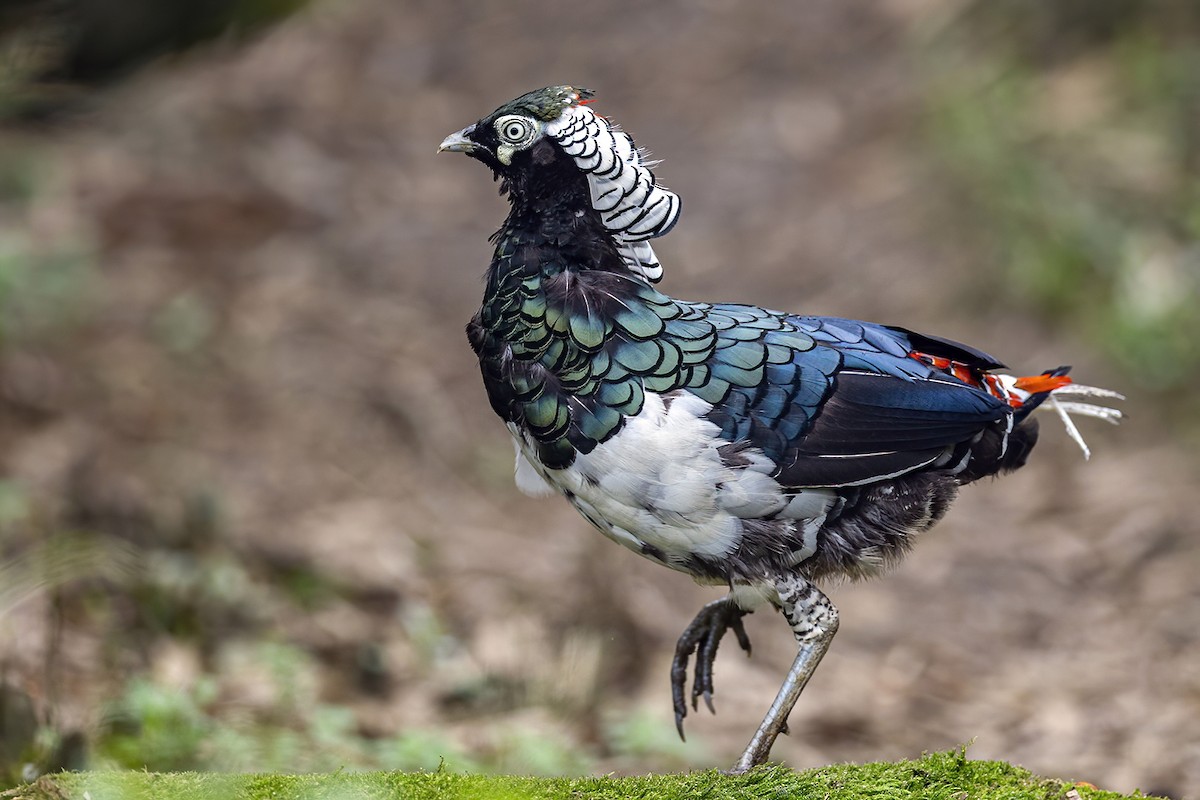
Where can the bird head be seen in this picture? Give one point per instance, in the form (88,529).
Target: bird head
(515,127)
(549,141)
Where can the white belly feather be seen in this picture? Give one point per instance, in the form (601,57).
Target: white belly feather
(661,486)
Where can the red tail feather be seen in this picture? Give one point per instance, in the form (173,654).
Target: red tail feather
(1046,382)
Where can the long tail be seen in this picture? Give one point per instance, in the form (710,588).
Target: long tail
(1027,393)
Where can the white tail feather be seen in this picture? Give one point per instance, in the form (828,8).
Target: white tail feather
(1088,391)
(1065,408)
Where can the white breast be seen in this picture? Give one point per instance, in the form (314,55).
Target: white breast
(661,487)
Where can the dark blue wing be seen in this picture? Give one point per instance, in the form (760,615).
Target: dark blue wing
(850,405)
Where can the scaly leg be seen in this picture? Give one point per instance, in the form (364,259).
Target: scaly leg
(702,636)
(814,621)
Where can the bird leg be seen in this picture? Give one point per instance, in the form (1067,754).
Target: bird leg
(814,621)
(702,636)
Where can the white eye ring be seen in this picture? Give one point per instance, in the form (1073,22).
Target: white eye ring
(516,131)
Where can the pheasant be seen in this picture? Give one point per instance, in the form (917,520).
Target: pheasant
(750,448)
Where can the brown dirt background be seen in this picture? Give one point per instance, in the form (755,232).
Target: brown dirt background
(283,206)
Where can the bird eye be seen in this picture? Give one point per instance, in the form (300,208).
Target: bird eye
(516,131)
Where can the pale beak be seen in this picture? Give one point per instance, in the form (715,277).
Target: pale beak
(458,142)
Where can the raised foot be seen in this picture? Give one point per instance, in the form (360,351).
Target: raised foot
(701,637)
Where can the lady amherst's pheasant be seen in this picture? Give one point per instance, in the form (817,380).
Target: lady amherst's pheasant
(746,447)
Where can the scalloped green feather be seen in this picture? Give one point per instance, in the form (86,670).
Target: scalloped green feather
(598,420)
(588,330)
(743,355)
(639,323)
(639,358)
(736,375)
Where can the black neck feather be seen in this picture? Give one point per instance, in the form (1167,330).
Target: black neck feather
(551,217)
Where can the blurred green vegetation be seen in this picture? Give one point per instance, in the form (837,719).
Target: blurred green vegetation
(172,728)
(166,724)
(1071,135)
(233,697)
(216,690)
(42,292)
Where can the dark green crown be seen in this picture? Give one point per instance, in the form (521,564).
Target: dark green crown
(546,104)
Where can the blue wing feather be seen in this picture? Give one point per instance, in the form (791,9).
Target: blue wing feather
(850,405)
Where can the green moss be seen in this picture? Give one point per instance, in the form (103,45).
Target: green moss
(948,776)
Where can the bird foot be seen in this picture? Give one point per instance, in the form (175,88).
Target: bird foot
(701,637)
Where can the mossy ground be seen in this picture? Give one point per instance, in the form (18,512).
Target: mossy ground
(940,775)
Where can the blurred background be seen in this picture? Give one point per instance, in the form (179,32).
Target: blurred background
(255,513)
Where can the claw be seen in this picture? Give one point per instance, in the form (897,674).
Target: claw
(702,637)
(739,630)
(683,650)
